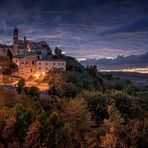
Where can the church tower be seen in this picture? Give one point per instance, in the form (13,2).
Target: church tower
(15,41)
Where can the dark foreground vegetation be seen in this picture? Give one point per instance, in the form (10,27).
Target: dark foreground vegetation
(84,109)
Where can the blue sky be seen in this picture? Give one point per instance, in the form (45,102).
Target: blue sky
(83,28)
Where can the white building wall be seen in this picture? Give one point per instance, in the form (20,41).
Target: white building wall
(49,65)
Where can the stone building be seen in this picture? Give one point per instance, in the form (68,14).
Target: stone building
(31,57)
(19,47)
(26,64)
(47,65)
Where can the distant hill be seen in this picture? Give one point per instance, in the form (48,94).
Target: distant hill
(120,62)
(138,78)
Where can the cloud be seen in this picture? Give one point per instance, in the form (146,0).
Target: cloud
(133,26)
(133,61)
(85,28)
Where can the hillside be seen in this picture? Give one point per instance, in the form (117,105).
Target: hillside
(108,105)
(138,78)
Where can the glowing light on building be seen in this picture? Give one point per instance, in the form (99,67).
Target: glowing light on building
(63,52)
(43,73)
(29,49)
(36,75)
(39,75)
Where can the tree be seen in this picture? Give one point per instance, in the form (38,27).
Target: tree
(34,91)
(57,51)
(113,126)
(21,85)
(7,71)
(93,70)
(50,132)
(77,122)
(87,67)
(49,52)
(10,68)
(13,67)
(32,138)
(9,55)
(24,117)
(134,132)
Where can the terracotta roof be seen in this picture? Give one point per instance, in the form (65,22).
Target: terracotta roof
(22,56)
(51,60)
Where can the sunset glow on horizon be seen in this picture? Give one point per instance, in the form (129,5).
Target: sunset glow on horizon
(137,70)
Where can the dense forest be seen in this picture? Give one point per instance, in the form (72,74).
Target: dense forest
(84,108)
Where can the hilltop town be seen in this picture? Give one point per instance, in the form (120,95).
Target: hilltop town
(29,63)
(32,58)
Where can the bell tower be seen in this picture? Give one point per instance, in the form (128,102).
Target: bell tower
(15,41)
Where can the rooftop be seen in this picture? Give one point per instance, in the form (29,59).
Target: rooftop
(22,55)
(51,60)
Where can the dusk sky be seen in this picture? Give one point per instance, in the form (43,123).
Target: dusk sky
(83,28)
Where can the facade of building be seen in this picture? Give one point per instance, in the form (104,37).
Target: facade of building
(26,64)
(30,65)
(47,65)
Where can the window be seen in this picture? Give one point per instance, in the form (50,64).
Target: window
(59,63)
(46,63)
(53,63)
(39,67)
(46,68)
(62,63)
(22,62)
(39,63)
(32,62)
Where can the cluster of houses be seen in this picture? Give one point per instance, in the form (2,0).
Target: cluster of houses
(31,57)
